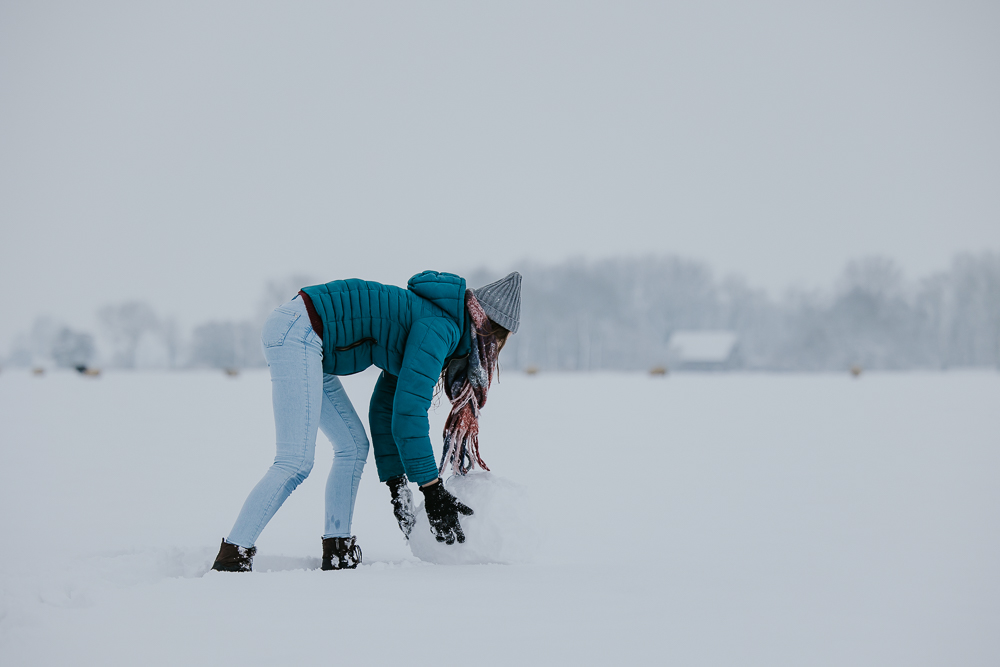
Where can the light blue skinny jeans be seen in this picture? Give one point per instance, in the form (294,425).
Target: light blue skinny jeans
(305,399)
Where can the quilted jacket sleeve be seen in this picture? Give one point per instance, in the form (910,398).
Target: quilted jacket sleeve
(429,343)
(380,420)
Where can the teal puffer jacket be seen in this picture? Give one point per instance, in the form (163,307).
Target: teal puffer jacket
(411,335)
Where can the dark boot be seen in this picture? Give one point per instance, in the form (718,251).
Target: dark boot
(232,558)
(341,553)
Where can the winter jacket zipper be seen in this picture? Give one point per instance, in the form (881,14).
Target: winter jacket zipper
(355,344)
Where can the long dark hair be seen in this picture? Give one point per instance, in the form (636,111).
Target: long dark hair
(495,334)
(498,332)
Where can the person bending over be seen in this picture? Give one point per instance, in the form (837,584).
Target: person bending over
(434,329)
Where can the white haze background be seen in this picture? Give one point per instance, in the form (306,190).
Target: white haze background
(185,153)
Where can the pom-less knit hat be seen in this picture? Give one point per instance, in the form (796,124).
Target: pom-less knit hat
(502,301)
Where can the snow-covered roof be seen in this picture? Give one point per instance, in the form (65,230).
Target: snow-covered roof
(702,346)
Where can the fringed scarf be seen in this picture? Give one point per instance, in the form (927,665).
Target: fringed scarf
(467,382)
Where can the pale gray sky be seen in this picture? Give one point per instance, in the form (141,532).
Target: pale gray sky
(185,152)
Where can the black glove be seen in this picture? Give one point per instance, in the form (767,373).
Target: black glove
(402,504)
(442,513)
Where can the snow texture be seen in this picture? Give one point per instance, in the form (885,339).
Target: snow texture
(701,519)
(502,530)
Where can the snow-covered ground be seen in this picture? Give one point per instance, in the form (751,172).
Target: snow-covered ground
(689,520)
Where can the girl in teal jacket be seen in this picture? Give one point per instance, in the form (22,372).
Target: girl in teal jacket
(434,330)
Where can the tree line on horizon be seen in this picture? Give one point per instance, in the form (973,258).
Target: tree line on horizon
(619,314)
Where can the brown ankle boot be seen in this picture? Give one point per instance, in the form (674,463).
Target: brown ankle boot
(341,553)
(233,558)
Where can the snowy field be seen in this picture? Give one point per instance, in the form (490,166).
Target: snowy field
(723,520)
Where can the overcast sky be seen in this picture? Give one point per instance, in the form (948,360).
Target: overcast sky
(185,153)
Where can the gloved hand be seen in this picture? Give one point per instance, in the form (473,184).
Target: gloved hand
(402,504)
(442,513)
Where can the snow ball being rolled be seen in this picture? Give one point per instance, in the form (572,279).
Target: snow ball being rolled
(502,530)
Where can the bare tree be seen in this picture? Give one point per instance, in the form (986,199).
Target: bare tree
(36,345)
(226,345)
(71,349)
(124,325)
(974,334)
(170,334)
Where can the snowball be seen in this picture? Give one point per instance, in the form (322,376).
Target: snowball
(502,530)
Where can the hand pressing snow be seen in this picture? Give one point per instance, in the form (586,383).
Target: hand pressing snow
(442,513)
(402,504)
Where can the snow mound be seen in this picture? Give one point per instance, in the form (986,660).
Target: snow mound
(502,530)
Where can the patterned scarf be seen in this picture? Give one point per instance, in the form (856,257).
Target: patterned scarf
(467,382)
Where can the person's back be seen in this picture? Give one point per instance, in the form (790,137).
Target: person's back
(364,323)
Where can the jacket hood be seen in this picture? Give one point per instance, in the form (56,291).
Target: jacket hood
(444,290)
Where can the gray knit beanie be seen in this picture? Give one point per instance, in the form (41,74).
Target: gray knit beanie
(502,301)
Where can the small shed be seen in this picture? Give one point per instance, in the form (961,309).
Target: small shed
(714,350)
